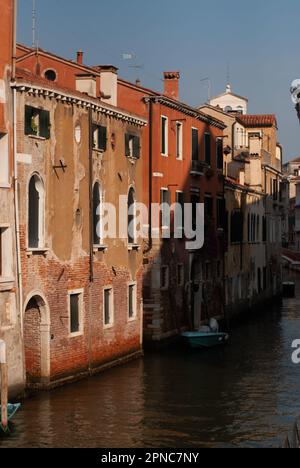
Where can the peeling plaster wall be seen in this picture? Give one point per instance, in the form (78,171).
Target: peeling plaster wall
(10,330)
(65,265)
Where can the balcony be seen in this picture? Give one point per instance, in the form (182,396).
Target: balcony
(198,168)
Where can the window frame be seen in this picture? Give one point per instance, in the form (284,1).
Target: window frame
(5,165)
(41,214)
(164,139)
(107,326)
(80,293)
(132,284)
(194,130)
(179,141)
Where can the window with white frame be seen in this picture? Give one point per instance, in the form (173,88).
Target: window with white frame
(108,307)
(164,136)
(179,140)
(6,254)
(76,312)
(36,207)
(132,301)
(4,159)
(165,207)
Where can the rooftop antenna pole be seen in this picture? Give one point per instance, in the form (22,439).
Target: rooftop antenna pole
(33,23)
(208,86)
(228,74)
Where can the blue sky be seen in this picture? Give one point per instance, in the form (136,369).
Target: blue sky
(259,39)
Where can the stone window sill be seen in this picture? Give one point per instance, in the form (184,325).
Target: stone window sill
(36,137)
(5,185)
(134,247)
(100,248)
(38,251)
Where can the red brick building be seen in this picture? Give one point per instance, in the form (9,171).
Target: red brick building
(82,292)
(181,287)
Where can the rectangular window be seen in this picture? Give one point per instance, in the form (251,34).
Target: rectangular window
(132,146)
(164,136)
(108,307)
(275,189)
(37,122)
(6,254)
(165,201)
(207,148)
(208,207)
(179,140)
(100,138)
(179,214)
(180,275)
(195,144)
(195,200)
(4,159)
(237,227)
(164,277)
(132,301)
(220,154)
(221,213)
(75,310)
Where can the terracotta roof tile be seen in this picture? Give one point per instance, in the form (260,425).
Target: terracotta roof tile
(260,120)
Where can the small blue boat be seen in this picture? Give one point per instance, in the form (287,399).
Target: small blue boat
(11,411)
(205,340)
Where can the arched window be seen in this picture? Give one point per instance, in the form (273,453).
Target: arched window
(131,216)
(228,109)
(36,202)
(97,224)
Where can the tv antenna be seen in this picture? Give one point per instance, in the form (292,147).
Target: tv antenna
(34,42)
(208,81)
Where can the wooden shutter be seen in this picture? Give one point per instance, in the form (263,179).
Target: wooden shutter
(195,145)
(208,148)
(28,117)
(45,124)
(136,147)
(102,138)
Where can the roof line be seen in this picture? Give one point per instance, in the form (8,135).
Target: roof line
(23,85)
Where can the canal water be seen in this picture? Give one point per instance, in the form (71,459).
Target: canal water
(245,395)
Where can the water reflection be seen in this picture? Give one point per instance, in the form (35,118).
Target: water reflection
(242,395)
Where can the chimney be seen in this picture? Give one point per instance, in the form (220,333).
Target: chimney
(80,57)
(171,80)
(108,83)
(86,83)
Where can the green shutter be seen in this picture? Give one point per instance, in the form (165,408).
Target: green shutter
(102,138)
(45,124)
(28,117)
(136,147)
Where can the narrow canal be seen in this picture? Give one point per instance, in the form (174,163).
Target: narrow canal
(245,395)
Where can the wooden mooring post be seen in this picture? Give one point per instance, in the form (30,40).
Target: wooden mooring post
(4,386)
(294,442)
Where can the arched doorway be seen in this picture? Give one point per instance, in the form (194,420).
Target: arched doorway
(37,340)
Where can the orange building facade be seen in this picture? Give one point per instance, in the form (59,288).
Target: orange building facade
(182,287)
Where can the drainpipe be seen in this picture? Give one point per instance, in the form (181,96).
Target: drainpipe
(91,196)
(15,176)
(149,248)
